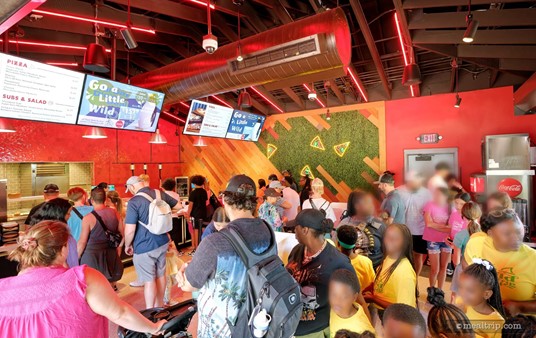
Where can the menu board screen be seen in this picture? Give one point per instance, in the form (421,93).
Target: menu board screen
(206,119)
(31,90)
(245,126)
(110,104)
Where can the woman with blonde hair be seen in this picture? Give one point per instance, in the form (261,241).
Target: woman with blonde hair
(47,299)
(316,201)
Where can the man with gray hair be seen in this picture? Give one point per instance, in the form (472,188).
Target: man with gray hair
(149,250)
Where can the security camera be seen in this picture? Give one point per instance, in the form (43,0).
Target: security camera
(210,43)
(311,96)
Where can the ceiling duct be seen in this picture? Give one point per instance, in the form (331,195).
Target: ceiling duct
(318,45)
(525,97)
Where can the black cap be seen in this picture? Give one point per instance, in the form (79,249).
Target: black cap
(51,188)
(239,184)
(310,218)
(386,177)
(271,192)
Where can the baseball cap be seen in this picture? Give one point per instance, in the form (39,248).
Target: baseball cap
(271,192)
(133,180)
(386,177)
(236,183)
(310,218)
(51,189)
(276,185)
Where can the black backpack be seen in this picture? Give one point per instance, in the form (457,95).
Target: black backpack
(269,286)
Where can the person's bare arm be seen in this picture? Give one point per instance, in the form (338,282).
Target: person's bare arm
(182,281)
(286,205)
(130,230)
(361,301)
(513,308)
(190,207)
(103,300)
(456,257)
(84,235)
(431,224)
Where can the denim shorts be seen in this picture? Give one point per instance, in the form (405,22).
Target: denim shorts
(437,247)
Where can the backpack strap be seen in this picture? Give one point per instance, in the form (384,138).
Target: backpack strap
(312,204)
(77,213)
(249,258)
(145,195)
(158,194)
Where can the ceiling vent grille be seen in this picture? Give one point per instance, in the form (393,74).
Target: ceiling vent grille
(51,169)
(290,51)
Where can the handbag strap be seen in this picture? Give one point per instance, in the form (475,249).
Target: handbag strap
(100,221)
(77,213)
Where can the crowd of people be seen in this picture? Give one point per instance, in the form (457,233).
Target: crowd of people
(357,275)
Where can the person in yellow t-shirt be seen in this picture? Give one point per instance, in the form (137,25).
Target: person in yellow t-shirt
(346,313)
(473,248)
(515,262)
(396,281)
(346,243)
(481,296)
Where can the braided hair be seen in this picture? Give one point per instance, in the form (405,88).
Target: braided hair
(486,274)
(445,318)
(520,326)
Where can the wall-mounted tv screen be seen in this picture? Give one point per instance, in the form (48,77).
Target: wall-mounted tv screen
(207,119)
(35,91)
(110,104)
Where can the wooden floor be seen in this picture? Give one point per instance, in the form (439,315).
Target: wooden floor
(134,296)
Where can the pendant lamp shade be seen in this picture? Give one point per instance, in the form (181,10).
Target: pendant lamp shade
(157,138)
(200,142)
(244,100)
(411,75)
(95,59)
(6,127)
(94,133)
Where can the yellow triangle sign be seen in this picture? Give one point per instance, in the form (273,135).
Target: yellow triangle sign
(307,171)
(341,149)
(270,150)
(317,143)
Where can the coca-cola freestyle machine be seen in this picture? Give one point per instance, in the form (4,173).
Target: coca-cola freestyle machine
(507,165)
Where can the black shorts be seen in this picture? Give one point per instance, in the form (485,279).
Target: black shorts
(419,245)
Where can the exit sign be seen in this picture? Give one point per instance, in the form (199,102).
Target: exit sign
(430,138)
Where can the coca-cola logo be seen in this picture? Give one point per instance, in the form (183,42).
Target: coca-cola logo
(119,124)
(511,186)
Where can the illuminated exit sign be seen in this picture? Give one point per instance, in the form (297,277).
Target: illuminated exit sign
(429,138)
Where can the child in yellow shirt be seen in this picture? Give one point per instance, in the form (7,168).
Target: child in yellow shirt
(346,313)
(346,243)
(396,281)
(481,295)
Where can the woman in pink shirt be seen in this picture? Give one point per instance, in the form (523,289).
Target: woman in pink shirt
(456,222)
(436,217)
(48,300)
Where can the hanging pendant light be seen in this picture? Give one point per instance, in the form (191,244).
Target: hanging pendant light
(239,56)
(6,126)
(95,58)
(94,133)
(244,100)
(200,142)
(472,26)
(157,138)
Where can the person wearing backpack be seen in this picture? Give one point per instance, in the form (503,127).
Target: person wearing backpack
(147,222)
(237,268)
(316,201)
(311,263)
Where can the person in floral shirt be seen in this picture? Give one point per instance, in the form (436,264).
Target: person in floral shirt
(268,211)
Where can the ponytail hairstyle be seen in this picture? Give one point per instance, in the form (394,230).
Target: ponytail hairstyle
(41,245)
(407,252)
(117,201)
(483,271)
(446,319)
(347,238)
(471,211)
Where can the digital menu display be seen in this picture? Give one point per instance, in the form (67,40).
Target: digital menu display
(35,91)
(245,126)
(207,119)
(110,104)
(211,120)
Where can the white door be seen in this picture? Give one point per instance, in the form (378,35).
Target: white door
(424,161)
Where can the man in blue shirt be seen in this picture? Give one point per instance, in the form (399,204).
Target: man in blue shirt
(149,250)
(78,197)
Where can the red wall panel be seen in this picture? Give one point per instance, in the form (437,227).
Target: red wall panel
(49,142)
(482,112)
